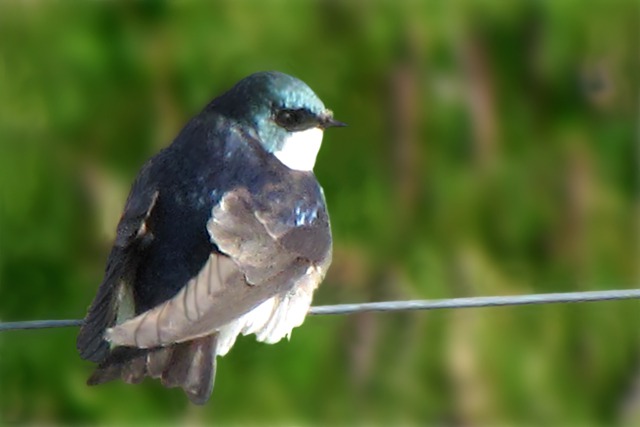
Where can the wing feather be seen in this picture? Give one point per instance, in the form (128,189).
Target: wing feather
(131,232)
(252,267)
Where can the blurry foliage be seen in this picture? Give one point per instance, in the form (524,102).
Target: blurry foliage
(491,150)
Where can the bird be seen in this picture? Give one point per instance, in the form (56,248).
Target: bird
(224,232)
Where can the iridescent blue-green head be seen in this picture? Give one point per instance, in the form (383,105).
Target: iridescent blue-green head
(287,115)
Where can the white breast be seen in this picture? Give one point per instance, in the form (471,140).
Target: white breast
(300,149)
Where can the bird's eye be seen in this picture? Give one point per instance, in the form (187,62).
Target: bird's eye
(295,120)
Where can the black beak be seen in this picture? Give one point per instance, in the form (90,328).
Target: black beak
(330,122)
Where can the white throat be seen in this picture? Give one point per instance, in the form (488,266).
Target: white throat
(300,149)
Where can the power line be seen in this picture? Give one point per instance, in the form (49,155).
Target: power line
(39,324)
(340,309)
(478,302)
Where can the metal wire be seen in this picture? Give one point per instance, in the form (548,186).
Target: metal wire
(478,302)
(39,324)
(471,302)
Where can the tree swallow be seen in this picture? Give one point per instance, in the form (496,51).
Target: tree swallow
(224,232)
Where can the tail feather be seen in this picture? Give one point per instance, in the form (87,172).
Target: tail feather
(189,365)
(157,361)
(192,367)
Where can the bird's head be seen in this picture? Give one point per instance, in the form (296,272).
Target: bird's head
(287,115)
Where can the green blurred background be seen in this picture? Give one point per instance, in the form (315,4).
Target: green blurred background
(491,150)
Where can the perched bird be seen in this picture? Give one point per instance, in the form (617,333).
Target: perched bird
(224,232)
